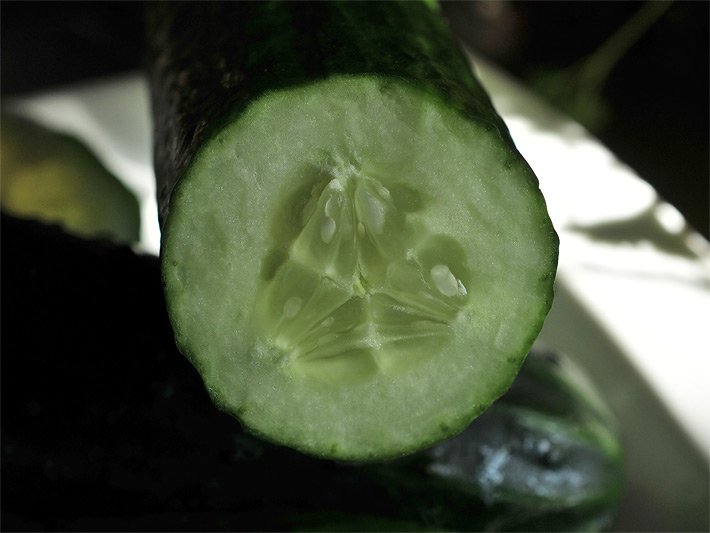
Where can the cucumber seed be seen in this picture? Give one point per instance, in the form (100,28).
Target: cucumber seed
(445,281)
(292,306)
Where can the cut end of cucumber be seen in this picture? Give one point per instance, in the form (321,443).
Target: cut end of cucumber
(361,289)
(356,269)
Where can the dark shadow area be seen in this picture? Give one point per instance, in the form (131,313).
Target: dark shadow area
(50,44)
(642,228)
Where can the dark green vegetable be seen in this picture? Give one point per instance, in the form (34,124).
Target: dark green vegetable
(355,256)
(54,177)
(106,427)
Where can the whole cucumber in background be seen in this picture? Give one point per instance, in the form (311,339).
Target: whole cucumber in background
(355,256)
(105,426)
(54,177)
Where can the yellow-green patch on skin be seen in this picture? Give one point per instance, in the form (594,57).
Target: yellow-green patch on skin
(55,178)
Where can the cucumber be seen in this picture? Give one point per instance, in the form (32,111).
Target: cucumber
(56,178)
(106,427)
(355,256)
(547,454)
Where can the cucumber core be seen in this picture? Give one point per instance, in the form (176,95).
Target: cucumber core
(360,290)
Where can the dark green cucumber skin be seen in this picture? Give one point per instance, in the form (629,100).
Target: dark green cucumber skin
(208,61)
(105,426)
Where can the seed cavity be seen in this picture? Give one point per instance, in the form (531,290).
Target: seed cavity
(368,299)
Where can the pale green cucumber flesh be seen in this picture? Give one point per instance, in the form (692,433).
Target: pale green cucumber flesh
(357,270)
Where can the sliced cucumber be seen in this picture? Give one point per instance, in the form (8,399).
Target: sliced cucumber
(356,264)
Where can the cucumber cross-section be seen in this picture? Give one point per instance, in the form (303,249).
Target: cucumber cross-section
(357,292)
(355,256)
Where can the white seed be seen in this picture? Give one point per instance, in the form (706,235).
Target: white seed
(384,193)
(335,185)
(444,280)
(374,213)
(292,306)
(332,204)
(328,207)
(327,229)
(462,289)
